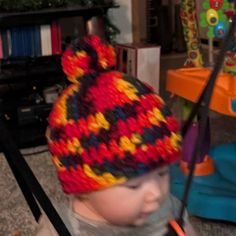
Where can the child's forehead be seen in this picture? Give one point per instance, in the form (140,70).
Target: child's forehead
(151,173)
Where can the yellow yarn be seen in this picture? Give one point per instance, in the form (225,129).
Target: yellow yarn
(79,72)
(92,124)
(110,179)
(105,179)
(74,145)
(153,118)
(136,138)
(158,115)
(103,63)
(81,54)
(175,140)
(144,147)
(101,121)
(127,145)
(127,88)
(88,171)
(71,148)
(62,104)
(59,166)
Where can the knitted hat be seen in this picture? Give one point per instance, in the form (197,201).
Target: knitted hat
(107,127)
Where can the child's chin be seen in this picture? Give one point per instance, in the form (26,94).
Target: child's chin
(140,221)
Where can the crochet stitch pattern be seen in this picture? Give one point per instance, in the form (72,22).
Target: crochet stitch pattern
(107,127)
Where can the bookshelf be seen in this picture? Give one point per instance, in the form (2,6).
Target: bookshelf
(46,15)
(23,79)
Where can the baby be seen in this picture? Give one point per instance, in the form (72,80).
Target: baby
(111,139)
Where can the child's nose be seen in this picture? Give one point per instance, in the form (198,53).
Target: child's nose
(154,191)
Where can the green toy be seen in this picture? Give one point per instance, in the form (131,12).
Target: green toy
(212,16)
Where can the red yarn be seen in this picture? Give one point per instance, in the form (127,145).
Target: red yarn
(77,64)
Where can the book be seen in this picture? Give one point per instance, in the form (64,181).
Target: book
(16,42)
(27,45)
(5,46)
(37,41)
(56,38)
(46,42)
(1,47)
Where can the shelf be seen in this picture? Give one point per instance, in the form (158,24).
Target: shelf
(27,129)
(30,68)
(46,15)
(28,136)
(34,74)
(19,75)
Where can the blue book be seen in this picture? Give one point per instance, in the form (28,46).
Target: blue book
(15,39)
(32,41)
(5,43)
(37,41)
(20,42)
(27,34)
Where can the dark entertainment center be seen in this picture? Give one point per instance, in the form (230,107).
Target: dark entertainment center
(23,79)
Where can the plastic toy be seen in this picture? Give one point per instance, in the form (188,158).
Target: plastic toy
(213,18)
(189,82)
(188,17)
(213,191)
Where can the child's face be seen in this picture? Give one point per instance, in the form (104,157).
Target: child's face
(132,202)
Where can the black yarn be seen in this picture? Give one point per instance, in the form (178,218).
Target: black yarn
(89,80)
(55,134)
(164,129)
(73,111)
(81,45)
(130,109)
(139,85)
(110,116)
(103,136)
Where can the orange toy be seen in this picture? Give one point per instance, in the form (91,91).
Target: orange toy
(206,167)
(189,83)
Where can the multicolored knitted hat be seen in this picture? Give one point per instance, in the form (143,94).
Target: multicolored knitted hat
(107,127)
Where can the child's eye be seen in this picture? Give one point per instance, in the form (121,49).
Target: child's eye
(163,172)
(133,185)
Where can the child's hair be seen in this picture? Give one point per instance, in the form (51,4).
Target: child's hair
(107,127)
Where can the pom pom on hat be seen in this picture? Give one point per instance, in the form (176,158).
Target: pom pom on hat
(86,57)
(107,127)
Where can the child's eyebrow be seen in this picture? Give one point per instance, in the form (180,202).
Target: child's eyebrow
(132,181)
